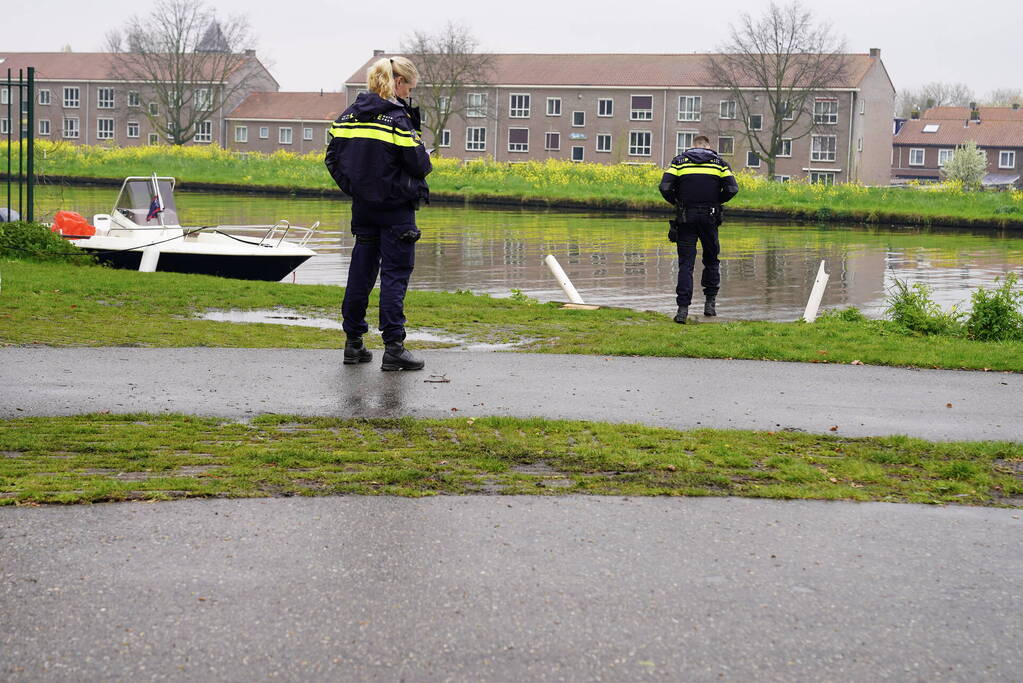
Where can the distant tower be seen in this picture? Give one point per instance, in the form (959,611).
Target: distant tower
(213,40)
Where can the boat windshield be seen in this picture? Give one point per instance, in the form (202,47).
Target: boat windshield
(137,197)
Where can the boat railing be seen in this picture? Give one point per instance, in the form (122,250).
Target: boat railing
(273,235)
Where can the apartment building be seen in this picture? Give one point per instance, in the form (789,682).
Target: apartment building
(645,108)
(79,100)
(922,146)
(293,121)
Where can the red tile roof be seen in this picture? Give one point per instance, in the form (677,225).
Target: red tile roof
(306,106)
(1002,134)
(623,70)
(69,66)
(963,113)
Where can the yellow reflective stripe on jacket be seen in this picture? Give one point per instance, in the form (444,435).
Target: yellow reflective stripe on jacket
(693,169)
(372,131)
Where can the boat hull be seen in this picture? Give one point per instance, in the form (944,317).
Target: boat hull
(269,267)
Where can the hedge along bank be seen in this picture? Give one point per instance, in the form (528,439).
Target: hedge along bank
(551,183)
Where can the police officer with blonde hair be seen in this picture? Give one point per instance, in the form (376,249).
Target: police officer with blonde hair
(698,182)
(376,155)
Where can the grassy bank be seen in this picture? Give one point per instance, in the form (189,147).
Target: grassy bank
(93,458)
(62,304)
(546,183)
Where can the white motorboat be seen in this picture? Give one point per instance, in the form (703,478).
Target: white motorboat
(145,218)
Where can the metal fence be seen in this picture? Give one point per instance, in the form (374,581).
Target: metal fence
(17,128)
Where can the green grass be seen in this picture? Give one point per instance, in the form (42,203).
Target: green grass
(94,458)
(65,305)
(553,182)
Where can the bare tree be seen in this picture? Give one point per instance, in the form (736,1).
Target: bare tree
(934,94)
(785,58)
(449,65)
(1004,97)
(189,63)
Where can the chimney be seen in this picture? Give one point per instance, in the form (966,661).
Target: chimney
(974,114)
(875,53)
(915,114)
(250,53)
(378,53)
(1015,106)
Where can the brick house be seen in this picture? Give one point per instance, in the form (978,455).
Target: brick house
(644,108)
(79,101)
(922,146)
(294,121)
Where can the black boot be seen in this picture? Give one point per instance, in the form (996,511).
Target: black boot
(682,314)
(397,357)
(708,307)
(356,351)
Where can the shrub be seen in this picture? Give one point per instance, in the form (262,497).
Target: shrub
(34,241)
(996,314)
(911,307)
(845,315)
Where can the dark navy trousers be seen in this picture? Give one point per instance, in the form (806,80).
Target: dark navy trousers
(688,234)
(378,250)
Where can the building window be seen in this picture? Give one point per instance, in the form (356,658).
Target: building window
(70,130)
(787,111)
(578,153)
(553,106)
(578,119)
(518,139)
(825,111)
(284,135)
(133,129)
(752,159)
(782,178)
(727,110)
(944,155)
(44,96)
(154,109)
(204,132)
(445,138)
(5,125)
(605,107)
(202,99)
(916,157)
(642,108)
(684,140)
(104,98)
(154,139)
(477,105)
(104,129)
(443,104)
(307,133)
(72,98)
(133,98)
(726,146)
(822,177)
(241,133)
(825,148)
(784,147)
(518,106)
(44,126)
(689,107)
(475,139)
(552,142)
(604,142)
(264,132)
(756,122)
(1006,159)
(639,143)
(5,96)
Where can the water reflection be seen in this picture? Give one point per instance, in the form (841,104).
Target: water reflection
(767,269)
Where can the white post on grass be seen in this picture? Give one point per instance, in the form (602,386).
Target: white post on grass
(150,257)
(559,275)
(816,294)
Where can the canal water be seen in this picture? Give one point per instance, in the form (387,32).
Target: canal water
(620,260)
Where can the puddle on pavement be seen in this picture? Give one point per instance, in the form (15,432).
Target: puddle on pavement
(287,317)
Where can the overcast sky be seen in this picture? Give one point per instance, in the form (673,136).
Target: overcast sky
(318,43)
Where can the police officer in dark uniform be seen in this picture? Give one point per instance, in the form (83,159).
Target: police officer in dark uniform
(376,155)
(698,182)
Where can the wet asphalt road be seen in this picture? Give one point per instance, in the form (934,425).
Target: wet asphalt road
(669,392)
(510,589)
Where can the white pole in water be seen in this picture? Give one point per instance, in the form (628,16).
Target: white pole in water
(150,257)
(559,275)
(816,294)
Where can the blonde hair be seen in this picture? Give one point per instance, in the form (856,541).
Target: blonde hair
(380,76)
